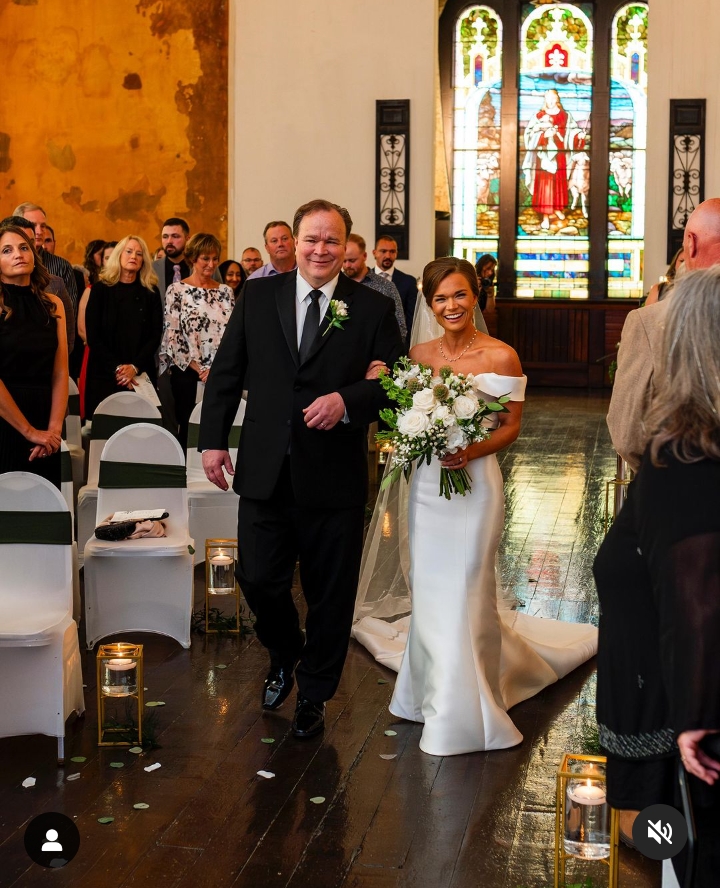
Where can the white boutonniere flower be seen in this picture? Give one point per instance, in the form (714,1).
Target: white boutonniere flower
(338,315)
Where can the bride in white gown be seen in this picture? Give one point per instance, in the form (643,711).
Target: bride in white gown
(467,657)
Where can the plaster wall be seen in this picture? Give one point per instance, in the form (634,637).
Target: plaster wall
(682,64)
(303,92)
(115,116)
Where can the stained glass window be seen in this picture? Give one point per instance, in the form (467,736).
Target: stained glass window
(555,103)
(628,139)
(476,121)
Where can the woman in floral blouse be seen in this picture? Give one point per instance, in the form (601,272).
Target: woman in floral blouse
(196,312)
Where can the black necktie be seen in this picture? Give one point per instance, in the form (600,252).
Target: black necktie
(310,327)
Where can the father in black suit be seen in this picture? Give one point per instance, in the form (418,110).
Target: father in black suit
(301,343)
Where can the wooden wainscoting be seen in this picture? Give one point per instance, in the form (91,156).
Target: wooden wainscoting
(562,343)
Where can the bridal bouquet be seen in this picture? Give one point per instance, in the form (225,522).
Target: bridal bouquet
(436,415)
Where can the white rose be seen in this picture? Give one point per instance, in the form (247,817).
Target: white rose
(464,407)
(443,414)
(424,400)
(455,439)
(413,423)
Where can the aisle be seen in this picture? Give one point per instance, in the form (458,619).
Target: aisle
(411,820)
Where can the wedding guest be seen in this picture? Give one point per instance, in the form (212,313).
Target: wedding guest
(251,260)
(280,246)
(485,268)
(659,291)
(233,275)
(658,579)
(33,361)
(93,261)
(107,252)
(159,254)
(196,312)
(54,264)
(355,267)
(49,240)
(636,376)
(123,323)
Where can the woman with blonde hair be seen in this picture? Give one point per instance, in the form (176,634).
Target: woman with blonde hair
(197,310)
(658,579)
(33,361)
(122,322)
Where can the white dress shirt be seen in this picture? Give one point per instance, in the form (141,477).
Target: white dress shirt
(302,295)
(381,271)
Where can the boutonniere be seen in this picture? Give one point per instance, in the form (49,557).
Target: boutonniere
(338,315)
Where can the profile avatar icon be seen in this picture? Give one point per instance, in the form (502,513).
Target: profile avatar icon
(52,843)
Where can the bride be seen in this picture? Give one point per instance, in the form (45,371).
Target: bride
(464,657)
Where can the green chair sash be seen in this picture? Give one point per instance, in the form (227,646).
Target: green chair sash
(73,407)
(105,426)
(194,436)
(122,475)
(48,528)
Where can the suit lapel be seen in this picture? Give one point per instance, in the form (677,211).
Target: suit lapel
(343,291)
(285,300)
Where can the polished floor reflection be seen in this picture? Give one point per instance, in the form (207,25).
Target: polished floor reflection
(359,807)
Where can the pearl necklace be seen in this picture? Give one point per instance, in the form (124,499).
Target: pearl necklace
(457,357)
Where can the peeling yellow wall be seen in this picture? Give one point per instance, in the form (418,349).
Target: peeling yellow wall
(113,115)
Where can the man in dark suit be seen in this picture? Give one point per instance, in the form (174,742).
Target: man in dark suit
(385,254)
(301,343)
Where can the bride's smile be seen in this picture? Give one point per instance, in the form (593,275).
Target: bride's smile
(453,304)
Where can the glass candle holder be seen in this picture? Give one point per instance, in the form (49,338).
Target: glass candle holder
(221,580)
(119,677)
(587,820)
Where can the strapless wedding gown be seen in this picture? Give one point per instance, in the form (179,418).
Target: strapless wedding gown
(466,661)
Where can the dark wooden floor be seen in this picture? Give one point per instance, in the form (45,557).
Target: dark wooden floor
(412,820)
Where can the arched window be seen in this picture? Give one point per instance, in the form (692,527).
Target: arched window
(548,137)
(476,113)
(628,139)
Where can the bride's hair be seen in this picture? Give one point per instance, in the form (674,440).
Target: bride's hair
(436,271)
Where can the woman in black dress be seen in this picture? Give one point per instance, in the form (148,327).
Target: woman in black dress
(33,361)
(123,323)
(658,579)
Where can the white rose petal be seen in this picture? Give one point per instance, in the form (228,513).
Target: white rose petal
(424,400)
(443,414)
(464,407)
(455,439)
(413,423)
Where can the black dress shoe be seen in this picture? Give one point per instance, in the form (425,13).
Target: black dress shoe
(309,718)
(278,684)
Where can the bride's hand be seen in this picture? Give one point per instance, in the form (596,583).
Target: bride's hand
(455,460)
(374,368)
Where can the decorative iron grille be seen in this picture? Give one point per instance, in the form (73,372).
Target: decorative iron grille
(686,187)
(393,172)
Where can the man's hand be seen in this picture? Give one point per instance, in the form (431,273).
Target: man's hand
(214,461)
(374,369)
(325,412)
(695,760)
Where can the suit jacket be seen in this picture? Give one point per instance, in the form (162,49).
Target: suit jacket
(258,352)
(637,361)
(407,287)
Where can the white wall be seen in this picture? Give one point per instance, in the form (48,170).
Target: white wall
(304,80)
(683,63)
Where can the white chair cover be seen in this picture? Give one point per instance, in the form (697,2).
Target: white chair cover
(73,437)
(66,488)
(136,409)
(141,585)
(213,512)
(39,652)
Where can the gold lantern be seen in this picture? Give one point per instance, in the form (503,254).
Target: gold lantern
(119,682)
(220,582)
(586,827)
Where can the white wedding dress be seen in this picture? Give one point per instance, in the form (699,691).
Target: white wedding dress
(464,657)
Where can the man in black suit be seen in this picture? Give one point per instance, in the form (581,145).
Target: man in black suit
(385,254)
(301,343)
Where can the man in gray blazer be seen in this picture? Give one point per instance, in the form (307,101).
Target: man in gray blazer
(642,338)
